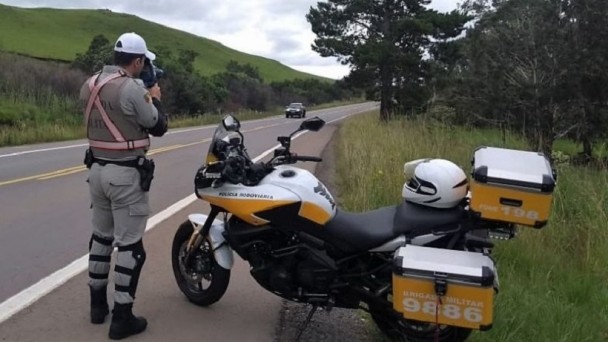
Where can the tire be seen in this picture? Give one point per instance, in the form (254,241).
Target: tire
(399,329)
(187,277)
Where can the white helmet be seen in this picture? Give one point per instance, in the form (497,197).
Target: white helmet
(437,183)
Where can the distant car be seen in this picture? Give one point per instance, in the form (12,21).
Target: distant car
(295,109)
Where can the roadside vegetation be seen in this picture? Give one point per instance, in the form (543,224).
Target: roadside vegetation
(536,67)
(39,99)
(553,281)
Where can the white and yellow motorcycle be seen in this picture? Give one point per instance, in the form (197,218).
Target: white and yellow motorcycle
(284,222)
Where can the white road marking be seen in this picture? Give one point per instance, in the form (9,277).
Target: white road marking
(41,150)
(30,295)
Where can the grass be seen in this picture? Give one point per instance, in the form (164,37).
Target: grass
(554,281)
(60,34)
(334,104)
(22,121)
(570,148)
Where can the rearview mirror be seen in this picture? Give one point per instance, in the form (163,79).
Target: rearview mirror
(312,124)
(231,123)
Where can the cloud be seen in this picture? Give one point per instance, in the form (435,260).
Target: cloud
(274,29)
(286,45)
(445,5)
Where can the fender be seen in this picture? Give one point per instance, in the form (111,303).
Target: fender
(221,250)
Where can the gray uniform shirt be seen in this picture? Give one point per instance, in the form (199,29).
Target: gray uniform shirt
(136,106)
(133,97)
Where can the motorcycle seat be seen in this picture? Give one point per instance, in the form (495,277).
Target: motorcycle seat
(362,231)
(365,231)
(415,220)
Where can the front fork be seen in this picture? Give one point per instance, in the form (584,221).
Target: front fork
(193,243)
(199,234)
(206,229)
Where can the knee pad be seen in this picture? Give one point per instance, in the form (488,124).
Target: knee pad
(100,254)
(102,241)
(131,259)
(137,251)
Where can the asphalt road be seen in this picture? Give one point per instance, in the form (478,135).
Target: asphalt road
(44,201)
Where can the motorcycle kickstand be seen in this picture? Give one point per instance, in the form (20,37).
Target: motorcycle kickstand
(308,319)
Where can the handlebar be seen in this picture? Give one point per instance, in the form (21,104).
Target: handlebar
(236,169)
(291,158)
(239,169)
(307,158)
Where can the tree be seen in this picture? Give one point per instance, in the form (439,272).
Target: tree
(538,65)
(100,53)
(384,41)
(514,69)
(185,91)
(588,78)
(246,69)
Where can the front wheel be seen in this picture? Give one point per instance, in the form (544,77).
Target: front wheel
(202,279)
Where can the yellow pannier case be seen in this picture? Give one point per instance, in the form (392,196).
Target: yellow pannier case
(444,286)
(512,186)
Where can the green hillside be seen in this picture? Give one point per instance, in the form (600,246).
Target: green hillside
(60,34)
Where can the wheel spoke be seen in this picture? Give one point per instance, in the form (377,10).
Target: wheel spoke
(200,260)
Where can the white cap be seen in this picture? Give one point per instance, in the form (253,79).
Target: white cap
(133,43)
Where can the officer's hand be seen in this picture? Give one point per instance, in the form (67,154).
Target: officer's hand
(155,91)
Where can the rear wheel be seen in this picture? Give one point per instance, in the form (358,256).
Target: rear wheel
(395,326)
(400,329)
(202,280)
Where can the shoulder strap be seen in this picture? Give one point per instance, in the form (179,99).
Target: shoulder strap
(94,99)
(121,143)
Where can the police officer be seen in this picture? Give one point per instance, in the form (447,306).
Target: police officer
(120,113)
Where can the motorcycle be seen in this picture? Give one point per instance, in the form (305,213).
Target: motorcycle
(285,223)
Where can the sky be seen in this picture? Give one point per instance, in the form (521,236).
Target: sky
(275,29)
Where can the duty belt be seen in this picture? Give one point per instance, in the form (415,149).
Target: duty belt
(127,163)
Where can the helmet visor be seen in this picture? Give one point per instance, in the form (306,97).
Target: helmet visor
(421,186)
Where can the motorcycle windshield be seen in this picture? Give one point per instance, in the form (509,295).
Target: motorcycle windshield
(219,137)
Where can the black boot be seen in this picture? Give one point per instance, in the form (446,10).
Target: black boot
(99,305)
(124,324)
